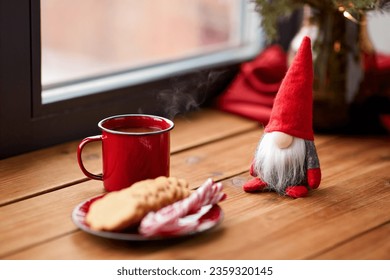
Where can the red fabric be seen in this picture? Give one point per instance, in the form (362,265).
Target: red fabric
(254,185)
(377,71)
(293,107)
(385,119)
(382,62)
(252,92)
(296,191)
(314,177)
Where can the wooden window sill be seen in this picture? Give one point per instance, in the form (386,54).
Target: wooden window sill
(348,217)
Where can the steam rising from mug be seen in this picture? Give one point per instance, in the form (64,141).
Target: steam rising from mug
(187,94)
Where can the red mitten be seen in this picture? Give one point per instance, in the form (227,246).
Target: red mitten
(314,177)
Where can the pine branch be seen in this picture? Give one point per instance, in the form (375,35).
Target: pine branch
(273,10)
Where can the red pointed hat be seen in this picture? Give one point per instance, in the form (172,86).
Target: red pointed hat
(292,112)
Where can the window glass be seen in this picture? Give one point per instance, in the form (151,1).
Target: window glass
(93,45)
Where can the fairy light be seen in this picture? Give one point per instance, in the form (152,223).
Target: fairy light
(350,17)
(347,14)
(337,46)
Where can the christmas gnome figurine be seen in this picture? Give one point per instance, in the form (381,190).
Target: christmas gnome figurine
(286,159)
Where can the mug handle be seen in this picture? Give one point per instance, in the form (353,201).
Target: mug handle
(79,159)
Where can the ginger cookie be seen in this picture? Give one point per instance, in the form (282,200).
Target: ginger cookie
(125,208)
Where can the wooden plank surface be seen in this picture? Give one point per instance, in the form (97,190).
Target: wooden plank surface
(195,165)
(56,167)
(277,227)
(371,245)
(218,160)
(206,126)
(346,218)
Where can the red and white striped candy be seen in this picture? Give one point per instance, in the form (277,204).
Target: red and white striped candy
(167,219)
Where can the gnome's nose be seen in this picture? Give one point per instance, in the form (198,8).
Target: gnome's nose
(282,140)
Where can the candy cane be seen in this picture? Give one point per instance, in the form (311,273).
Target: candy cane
(166,220)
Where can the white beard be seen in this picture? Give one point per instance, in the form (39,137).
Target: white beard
(280,168)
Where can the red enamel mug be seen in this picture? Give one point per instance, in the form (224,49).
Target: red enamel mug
(135,147)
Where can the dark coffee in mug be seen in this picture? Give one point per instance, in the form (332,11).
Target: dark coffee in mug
(137,129)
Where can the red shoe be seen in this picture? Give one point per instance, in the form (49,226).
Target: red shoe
(296,191)
(254,185)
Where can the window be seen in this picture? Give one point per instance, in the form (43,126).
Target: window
(61,72)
